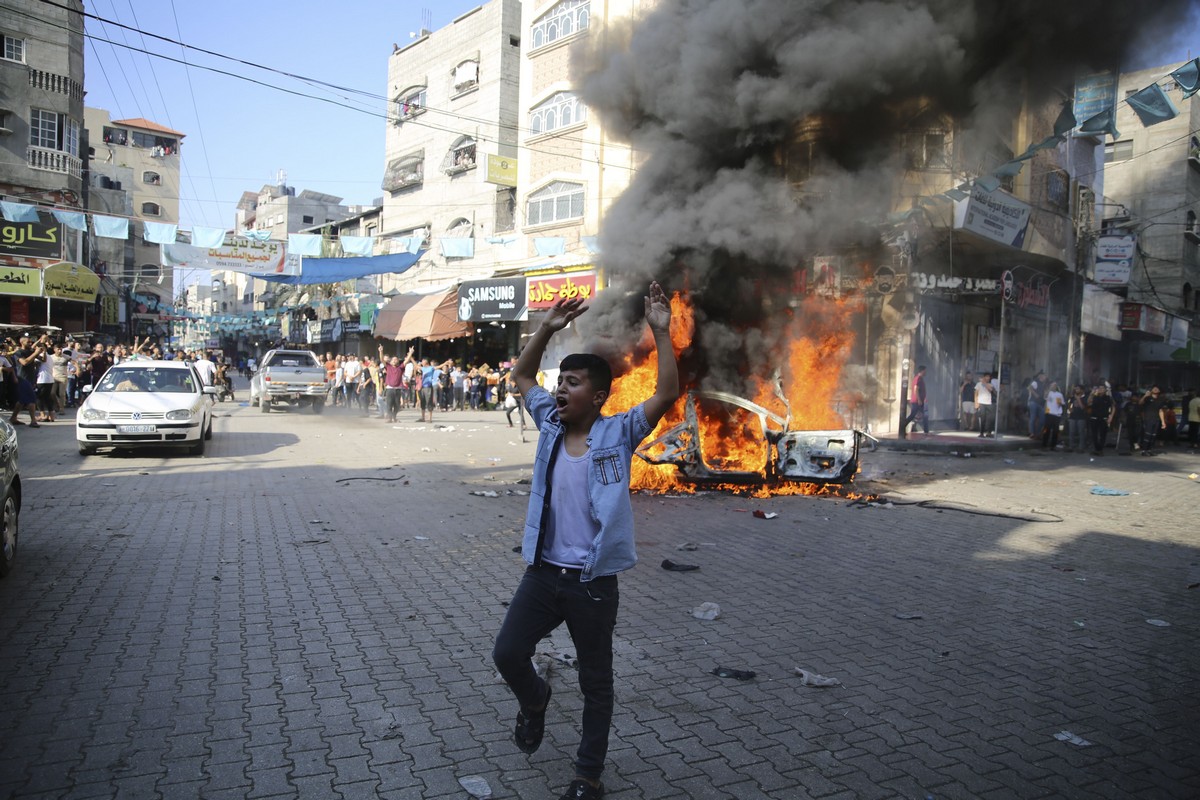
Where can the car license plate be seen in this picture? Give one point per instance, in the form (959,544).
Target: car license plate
(136,429)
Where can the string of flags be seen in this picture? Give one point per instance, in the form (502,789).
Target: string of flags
(1151,105)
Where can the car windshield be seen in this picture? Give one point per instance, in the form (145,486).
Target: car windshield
(147,379)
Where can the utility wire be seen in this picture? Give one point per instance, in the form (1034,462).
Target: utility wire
(196,110)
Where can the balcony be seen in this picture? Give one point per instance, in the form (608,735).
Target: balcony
(1194,158)
(1192,233)
(44,158)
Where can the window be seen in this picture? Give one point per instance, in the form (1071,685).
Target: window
(152,178)
(565,19)
(306,220)
(466,76)
(1190,230)
(556,112)
(460,228)
(410,103)
(1118,151)
(555,203)
(149,270)
(404,171)
(1187,296)
(151,209)
(927,150)
(14,49)
(53,131)
(461,157)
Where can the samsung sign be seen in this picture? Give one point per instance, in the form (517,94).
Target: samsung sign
(486,301)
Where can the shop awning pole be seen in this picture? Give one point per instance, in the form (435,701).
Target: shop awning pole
(999,369)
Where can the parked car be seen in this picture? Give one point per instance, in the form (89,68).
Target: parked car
(10,511)
(144,403)
(289,376)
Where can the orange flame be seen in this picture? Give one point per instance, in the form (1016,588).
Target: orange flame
(731,438)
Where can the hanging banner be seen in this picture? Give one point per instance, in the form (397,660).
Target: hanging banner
(68,281)
(1094,94)
(502,300)
(1114,259)
(239,255)
(31,239)
(109,305)
(826,276)
(546,290)
(21,280)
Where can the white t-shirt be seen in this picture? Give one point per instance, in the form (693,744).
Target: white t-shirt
(206,369)
(1054,403)
(983,393)
(570,528)
(45,373)
(351,370)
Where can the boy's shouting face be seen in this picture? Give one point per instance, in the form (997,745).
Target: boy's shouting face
(576,398)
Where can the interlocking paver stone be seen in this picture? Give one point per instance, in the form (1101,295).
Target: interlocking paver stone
(346,658)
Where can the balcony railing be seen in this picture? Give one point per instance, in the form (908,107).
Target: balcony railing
(54,161)
(52,82)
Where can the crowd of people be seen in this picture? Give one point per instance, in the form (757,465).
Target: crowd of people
(1087,418)
(43,375)
(390,384)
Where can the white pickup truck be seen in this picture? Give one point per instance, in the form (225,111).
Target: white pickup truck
(291,376)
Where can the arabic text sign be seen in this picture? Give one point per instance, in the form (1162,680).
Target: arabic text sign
(1114,259)
(30,239)
(501,171)
(68,281)
(21,280)
(240,255)
(997,216)
(547,290)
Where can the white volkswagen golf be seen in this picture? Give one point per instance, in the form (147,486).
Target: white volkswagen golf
(144,403)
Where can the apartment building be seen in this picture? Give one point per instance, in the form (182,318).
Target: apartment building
(451,146)
(41,122)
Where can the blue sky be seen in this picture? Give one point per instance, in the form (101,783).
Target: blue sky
(239,135)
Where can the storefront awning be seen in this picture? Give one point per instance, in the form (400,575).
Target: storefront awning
(432,317)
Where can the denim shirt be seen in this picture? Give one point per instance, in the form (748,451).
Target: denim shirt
(610,444)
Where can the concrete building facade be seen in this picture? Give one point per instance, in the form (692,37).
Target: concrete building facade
(41,141)
(451,145)
(140,159)
(1152,190)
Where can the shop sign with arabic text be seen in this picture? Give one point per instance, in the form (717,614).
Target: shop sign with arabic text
(31,239)
(546,290)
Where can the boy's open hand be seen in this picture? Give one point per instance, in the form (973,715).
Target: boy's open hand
(658,309)
(563,312)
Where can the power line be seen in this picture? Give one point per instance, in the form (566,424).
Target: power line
(196,110)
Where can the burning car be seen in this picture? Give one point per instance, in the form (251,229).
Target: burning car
(826,456)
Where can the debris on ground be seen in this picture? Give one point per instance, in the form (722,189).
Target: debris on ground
(486,494)
(908,615)
(706,611)
(542,664)
(1070,738)
(766,514)
(1061,568)
(1158,623)
(476,786)
(739,674)
(818,681)
(1100,490)
(688,546)
(421,538)
(671,566)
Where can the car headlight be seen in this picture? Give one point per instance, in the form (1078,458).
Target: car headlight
(94,415)
(179,414)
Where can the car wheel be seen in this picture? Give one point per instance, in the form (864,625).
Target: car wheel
(318,406)
(197,449)
(87,450)
(8,532)
(208,430)
(264,405)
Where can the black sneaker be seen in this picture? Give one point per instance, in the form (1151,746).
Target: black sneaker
(530,728)
(582,790)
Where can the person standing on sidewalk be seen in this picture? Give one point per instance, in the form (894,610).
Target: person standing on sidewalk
(1100,417)
(1193,418)
(1053,422)
(916,402)
(1035,401)
(985,407)
(1076,420)
(1153,419)
(966,399)
(578,530)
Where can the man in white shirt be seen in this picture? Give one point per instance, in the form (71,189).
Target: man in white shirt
(351,371)
(985,410)
(206,368)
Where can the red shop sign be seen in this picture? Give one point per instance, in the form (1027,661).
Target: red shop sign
(547,290)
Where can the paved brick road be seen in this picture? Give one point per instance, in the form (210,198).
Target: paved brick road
(253,624)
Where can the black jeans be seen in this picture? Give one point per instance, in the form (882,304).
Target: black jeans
(917,411)
(393,394)
(1100,434)
(547,597)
